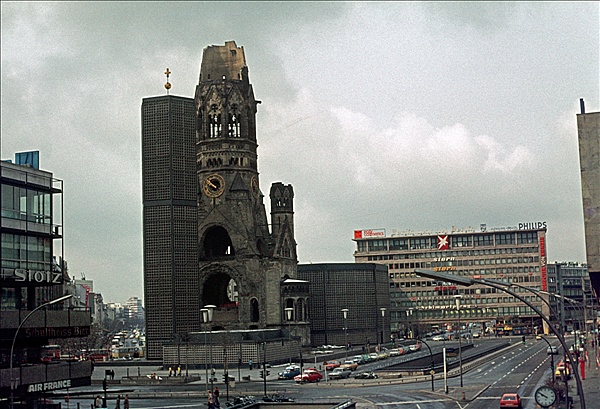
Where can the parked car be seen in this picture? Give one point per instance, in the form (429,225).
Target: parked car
(331,365)
(511,400)
(438,338)
(374,356)
(351,365)
(289,372)
(394,352)
(366,375)
(340,373)
(309,375)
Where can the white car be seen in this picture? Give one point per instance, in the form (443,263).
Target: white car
(437,338)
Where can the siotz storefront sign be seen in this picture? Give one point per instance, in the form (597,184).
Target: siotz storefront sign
(21,276)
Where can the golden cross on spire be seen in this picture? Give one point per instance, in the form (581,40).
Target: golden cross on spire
(168,84)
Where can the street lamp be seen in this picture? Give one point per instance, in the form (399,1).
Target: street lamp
(439,276)
(457,300)
(288,314)
(12,347)
(207,316)
(409,314)
(382,325)
(345,312)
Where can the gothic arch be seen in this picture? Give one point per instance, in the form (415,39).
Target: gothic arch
(217,243)
(254,311)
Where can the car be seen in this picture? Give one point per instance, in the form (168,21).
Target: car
(476,334)
(438,338)
(340,373)
(359,359)
(366,375)
(552,350)
(414,347)
(562,369)
(511,400)
(309,375)
(394,352)
(351,365)
(331,365)
(374,356)
(289,372)
(538,336)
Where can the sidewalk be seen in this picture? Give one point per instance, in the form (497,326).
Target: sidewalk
(591,383)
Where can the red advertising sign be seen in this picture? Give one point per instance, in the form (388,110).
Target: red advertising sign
(543,261)
(442,242)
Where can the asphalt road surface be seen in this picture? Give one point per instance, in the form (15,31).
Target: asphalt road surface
(521,369)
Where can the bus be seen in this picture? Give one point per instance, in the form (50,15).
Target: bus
(98,355)
(50,353)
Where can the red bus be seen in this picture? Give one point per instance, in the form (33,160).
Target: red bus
(50,353)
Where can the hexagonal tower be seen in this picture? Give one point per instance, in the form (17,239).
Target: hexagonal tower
(242,264)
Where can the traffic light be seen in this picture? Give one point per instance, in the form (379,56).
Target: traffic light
(268,372)
(261,374)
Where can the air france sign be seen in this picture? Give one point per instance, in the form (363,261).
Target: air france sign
(48,386)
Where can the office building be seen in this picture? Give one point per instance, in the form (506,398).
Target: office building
(511,254)
(588,128)
(571,281)
(170,226)
(32,281)
(360,288)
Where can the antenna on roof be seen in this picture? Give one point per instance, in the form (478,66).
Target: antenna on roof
(582,105)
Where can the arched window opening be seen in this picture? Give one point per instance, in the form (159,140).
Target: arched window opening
(221,290)
(234,123)
(217,243)
(254,314)
(300,310)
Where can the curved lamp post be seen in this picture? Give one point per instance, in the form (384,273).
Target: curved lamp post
(465,281)
(12,347)
(432,372)
(345,312)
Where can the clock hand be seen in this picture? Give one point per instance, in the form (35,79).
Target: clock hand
(541,394)
(211,184)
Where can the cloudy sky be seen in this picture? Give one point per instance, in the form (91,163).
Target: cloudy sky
(407,115)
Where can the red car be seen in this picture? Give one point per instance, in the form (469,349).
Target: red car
(309,375)
(510,400)
(331,365)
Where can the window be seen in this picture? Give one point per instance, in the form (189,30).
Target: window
(461,241)
(505,238)
(527,238)
(398,244)
(377,245)
(483,240)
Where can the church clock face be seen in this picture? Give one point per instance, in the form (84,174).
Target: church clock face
(214,185)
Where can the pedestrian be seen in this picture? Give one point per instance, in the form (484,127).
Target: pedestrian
(210,400)
(170,371)
(216,397)
(98,402)
(118,405)
(126,402)
(179,371)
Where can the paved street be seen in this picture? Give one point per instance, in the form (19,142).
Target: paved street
(520,368)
